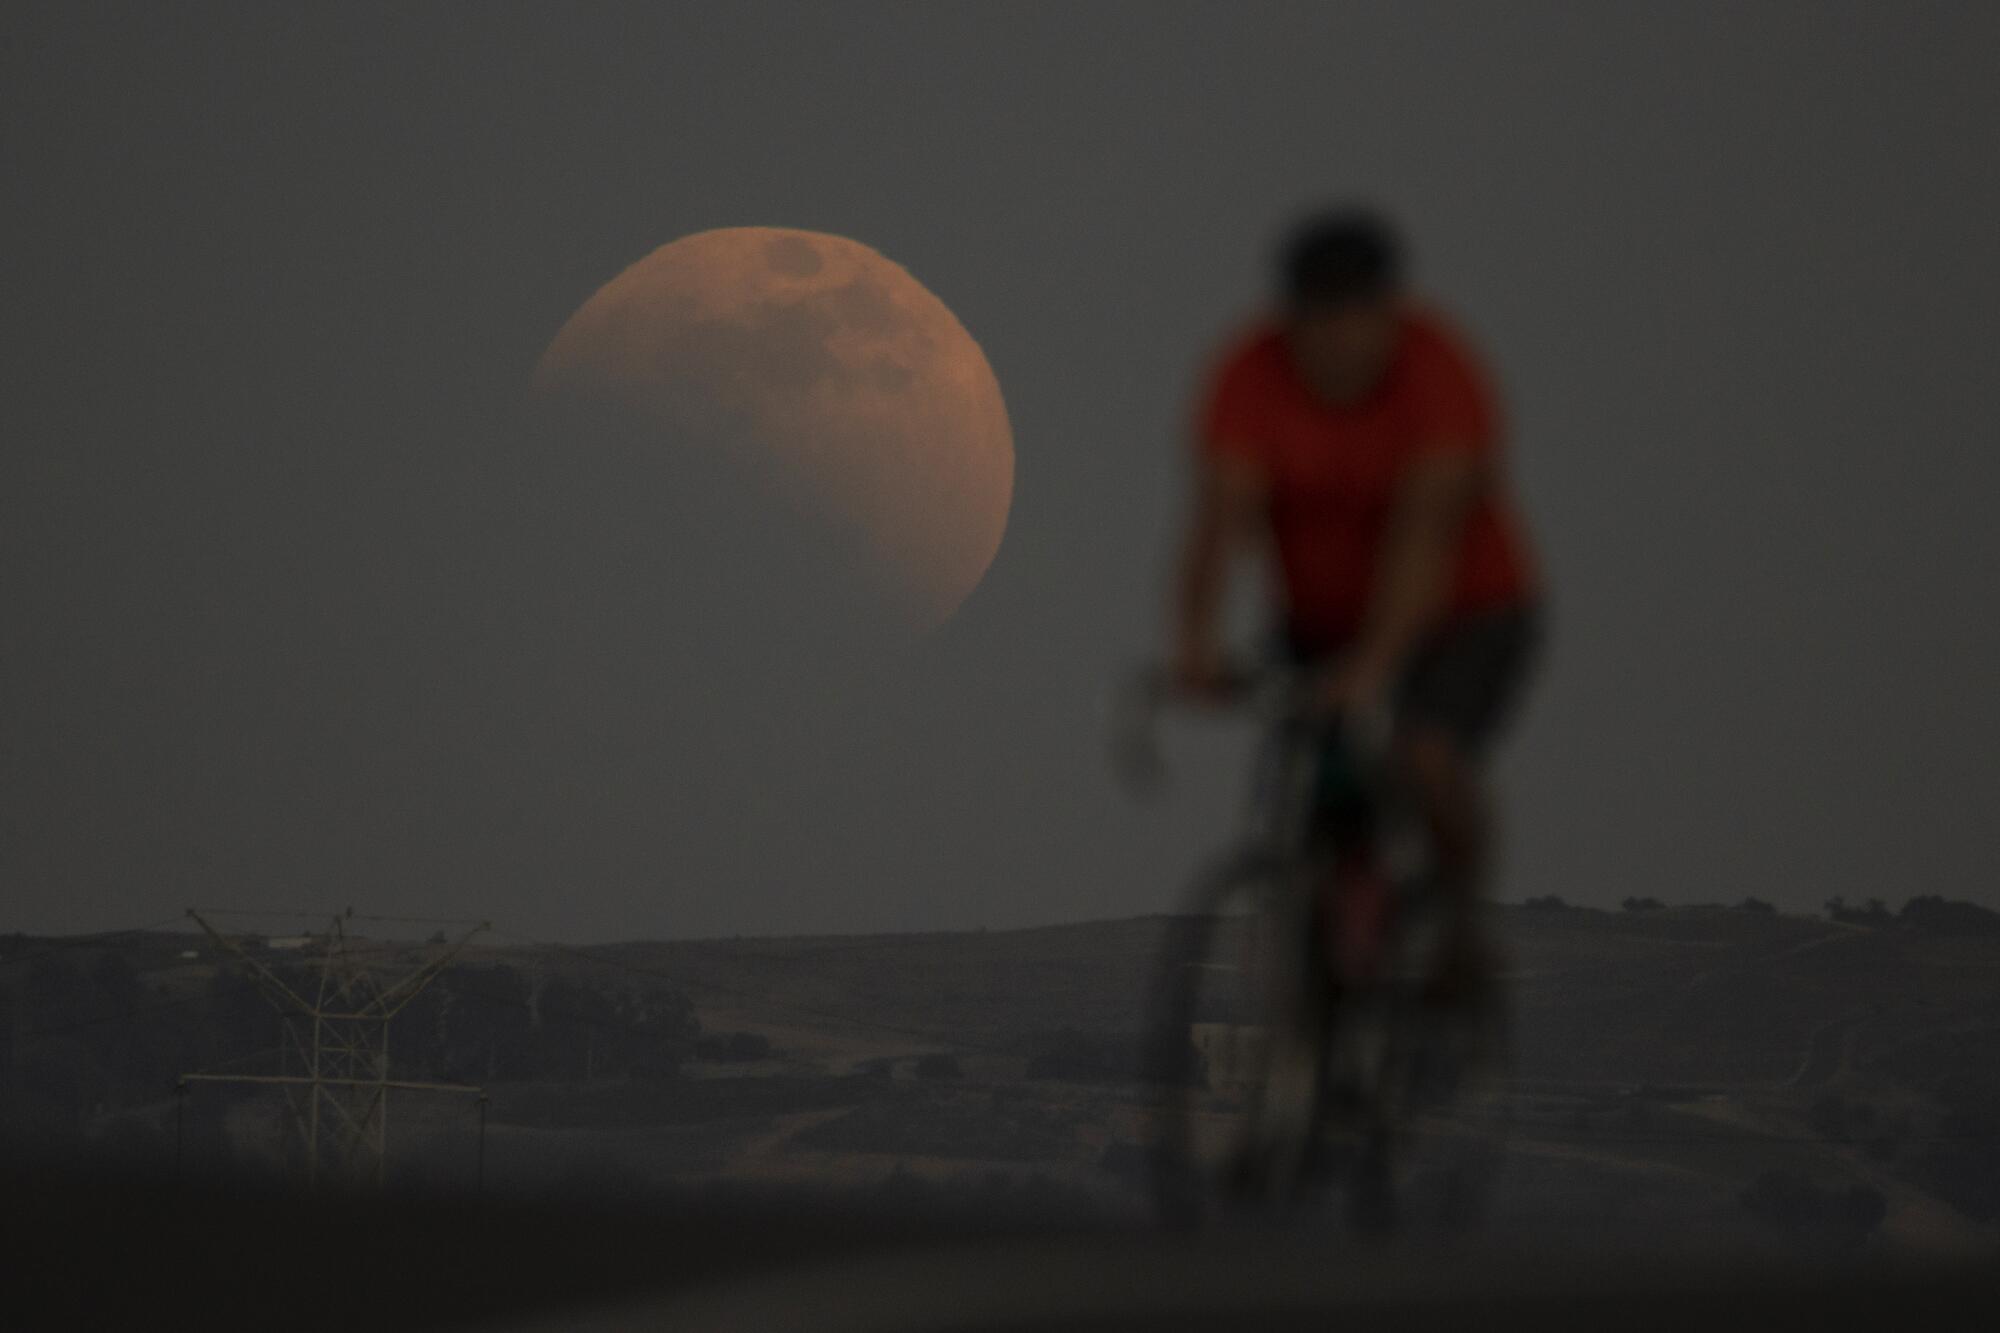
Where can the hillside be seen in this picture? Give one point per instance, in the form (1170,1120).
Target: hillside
(1693,1067)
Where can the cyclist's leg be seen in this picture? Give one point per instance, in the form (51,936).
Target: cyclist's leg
(1452,802)
(1351,897)
(1330,828)
(1453,701)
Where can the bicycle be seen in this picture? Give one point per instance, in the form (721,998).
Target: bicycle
(1294,1055)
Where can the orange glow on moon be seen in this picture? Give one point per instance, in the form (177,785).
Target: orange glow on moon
(829,374)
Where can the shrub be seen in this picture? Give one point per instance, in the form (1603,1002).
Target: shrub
(940,1064)
(1830,1117)
(1073,1056)
(662,1063)
(1788,1202)
(1130,1161)
(1962,1167)
(732,1047)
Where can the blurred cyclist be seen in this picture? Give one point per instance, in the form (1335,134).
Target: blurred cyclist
(1353,433)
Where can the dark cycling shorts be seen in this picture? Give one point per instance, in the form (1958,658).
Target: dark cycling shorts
(1466,677)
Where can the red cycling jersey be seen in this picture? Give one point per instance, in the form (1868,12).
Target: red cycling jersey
(1334,471)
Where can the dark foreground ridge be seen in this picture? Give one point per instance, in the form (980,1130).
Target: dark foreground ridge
(94,1251)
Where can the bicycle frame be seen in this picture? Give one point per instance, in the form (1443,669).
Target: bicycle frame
(1358,876)
(1282,1007)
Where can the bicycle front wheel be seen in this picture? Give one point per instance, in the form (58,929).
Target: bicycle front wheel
(1238,1046)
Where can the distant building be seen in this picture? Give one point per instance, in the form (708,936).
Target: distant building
(1231,1052)
(290,942)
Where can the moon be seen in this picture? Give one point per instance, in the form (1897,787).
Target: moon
(836,407)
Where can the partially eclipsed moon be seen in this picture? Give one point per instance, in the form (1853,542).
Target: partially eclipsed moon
(829,380)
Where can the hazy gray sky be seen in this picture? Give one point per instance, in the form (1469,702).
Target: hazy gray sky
(275,277)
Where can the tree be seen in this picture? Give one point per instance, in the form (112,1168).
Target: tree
(578,1030)
(58,994)
(1936,915)
(483,1021)
(62,1086)
(1875,913)
(117,982)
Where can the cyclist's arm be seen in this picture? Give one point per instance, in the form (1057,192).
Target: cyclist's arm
(1419,552)
(1231,495)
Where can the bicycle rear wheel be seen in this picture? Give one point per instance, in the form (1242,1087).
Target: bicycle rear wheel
(1460,1113)
(1444,1085)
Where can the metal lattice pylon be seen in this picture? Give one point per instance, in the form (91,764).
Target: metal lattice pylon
(333,1059)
